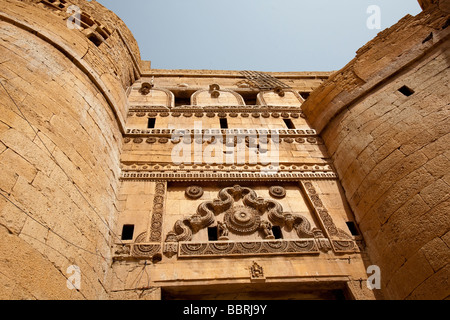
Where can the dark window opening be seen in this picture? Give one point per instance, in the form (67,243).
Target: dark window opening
(213,234)
(151,123)
(95,40)
(276,230)
(289,123)
(87,20)
(353,229)
(250,98)
(103,32)
(182,101)
(223,123)
(406,91)
(128,232)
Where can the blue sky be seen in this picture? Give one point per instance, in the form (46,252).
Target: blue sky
(260,35)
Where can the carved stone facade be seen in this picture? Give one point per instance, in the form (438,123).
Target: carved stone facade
(273,194)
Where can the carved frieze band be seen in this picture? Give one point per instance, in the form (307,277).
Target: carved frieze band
(225,176)
(158,212)
(254,248)
(341,241)
(213,111)
(207,140)
(238,133)
(186,168)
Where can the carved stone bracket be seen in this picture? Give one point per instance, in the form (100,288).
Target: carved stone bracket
(138,250)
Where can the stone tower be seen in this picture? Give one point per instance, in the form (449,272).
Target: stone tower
(197,184)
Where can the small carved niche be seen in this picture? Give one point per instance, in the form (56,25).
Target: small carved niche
(257,273)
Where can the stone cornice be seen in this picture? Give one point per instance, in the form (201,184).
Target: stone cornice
(225,176)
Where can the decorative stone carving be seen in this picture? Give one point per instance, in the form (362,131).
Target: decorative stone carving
(142,248)
(145,88)
(237,132)
(226,176)
(122,250)
(266,228)
(340,240)
(214,87)
(240,219)
(215,94)
(243,220)
(288,140)
(253,248)
(170,249)
(194,192)
(279,91)
(158,211)
(223,231)
(256,272)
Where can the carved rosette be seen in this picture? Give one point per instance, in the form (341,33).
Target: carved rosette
(194,192)
(243,220)
(277,192)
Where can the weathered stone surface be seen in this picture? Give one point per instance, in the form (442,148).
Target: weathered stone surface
(389,148)
(60,148)
(89,181)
